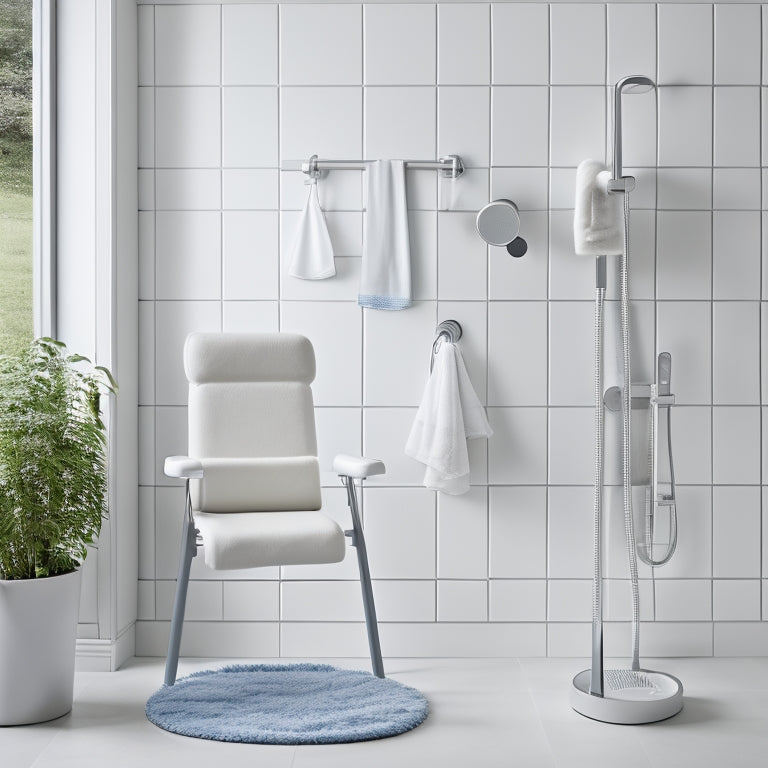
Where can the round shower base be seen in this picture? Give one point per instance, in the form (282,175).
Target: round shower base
(631,705)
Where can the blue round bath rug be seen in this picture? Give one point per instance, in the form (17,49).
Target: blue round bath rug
(287,704)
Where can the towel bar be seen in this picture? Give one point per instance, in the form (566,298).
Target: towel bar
(451,331)
(450,166)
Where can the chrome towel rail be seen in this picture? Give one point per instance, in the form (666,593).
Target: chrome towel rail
(450,166)
(448,330)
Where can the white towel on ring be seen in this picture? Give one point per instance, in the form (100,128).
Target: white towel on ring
(450,414)
(312,250)
(385,280)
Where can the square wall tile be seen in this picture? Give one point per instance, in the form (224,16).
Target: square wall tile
(335,330)
(397,349)
(684,600)
(146,526)
(146,127)
(692,445)
(146,601)
(462,535)
(685,126)
(385,433)
(188,255)
(524,278)
(569,554)
(462,600)
(736,599)
(571,452)
(570,276)
(737,44)
(175,320)
(736,444)
(462,258)
(684,329)
(528,187)
(249,127)
(321,44)
(146,255)
(187,127)
(685,44)
(681,189)
(693,556)
(249,189)
(335,130)
(517,365)
(631,40)
(571,353)
(412,28)
(514,141)
(577,124)
(147,431)
(468,194)
(250,255)
(462,123)
(684,255)
(517,450)
(251,600)
(204,600)
(187,40)
(577,44)
(320,601)
(569,600)
(617,600)
(518,600)
(736,532)
(250,316)
(146,34)
(517,532)
(170,440)
(520,34)
(188,189)
(147,352)
(388,513)
(739,639)
(464,44)
(737,188)
(388,135)
(737,126)
(736,348)
(422,236)
(249,45)
(404,600)
(339,430)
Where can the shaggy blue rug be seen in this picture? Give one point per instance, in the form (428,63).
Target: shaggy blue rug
(287,704)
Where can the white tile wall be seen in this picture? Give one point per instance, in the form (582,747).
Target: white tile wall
(233,95)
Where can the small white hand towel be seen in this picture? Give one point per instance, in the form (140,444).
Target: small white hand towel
(598,226)
(312,250)
(450,414)
(385,282)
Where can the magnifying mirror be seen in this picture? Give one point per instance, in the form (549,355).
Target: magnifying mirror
(498,223)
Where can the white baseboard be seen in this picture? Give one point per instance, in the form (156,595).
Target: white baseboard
(103,655)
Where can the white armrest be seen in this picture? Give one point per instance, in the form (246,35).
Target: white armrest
(183,466)
(357,466)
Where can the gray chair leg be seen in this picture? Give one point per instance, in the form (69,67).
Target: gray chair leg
(188,551)
(358,541)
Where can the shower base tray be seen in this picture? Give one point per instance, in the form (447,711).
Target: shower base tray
(661,699)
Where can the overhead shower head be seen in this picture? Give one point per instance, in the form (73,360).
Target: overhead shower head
(632,84)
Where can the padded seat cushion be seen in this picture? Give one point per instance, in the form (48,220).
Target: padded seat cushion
(254,539)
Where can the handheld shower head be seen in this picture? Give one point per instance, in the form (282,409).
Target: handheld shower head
(631,85)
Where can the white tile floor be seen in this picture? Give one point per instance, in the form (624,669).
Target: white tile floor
(489,713)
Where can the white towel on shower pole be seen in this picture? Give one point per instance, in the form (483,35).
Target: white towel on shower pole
(312,250)
(450,414)
(598,219)
(385,280)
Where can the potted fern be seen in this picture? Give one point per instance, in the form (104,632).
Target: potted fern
(52,502)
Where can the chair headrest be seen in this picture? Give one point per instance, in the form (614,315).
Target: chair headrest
(223,357)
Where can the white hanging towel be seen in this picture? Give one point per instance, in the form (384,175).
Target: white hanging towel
(450,414)
(385,282)
(598,219)
(312,250)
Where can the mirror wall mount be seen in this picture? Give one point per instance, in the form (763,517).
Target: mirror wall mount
(498,223)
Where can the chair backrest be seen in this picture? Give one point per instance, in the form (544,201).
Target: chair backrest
(251,421)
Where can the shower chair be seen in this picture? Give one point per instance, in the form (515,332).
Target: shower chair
(252,474)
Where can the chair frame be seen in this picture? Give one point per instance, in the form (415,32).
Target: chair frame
(191,540)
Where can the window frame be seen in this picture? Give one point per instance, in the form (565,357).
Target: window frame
(44,167)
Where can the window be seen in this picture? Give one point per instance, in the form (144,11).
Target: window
(16,141)
(27,163)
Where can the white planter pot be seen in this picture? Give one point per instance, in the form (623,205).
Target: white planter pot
(38,630)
